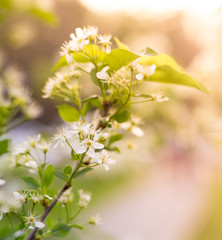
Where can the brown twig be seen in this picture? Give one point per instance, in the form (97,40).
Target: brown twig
(106,107)
(48,209)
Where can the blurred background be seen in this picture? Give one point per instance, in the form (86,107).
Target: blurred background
(166,185)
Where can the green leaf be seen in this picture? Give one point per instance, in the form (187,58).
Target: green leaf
(94,52)
(166,74)
(90,53)
(86,107)
(120,44)
(161,60)
(61,63)
(115,138)
(76,226)
(119,58)
(94,78)
(31,182)
(94,101)
(48,175)
(74,155)
(4,146)
(67,170)
(68,113)
(122,115)
(113,149)
(148,52)
(82,172)
(60,175)
(60,230)
(49,222)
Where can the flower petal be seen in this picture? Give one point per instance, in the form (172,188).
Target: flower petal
(39,224)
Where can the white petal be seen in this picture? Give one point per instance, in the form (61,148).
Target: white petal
(139,76)
(102,75)
(69,58)
(79,149)
(152,69)
(97,145)
(48,197)
(137,131)
(91,153)
(19,233)
(106,167)
(2,182)
(39,224)
(1,216)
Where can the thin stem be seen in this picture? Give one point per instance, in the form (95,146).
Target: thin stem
(149,100)
(72,149)
(123,105)
(48,210)
(76,213)
(45,158)
(66,186)
(33,206)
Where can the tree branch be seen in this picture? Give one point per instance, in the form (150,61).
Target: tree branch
(48,209)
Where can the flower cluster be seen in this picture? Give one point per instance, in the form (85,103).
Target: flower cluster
(66,197)
(81,38)
(121,77)
(28,153)
(8,203)
(125,75)
(64,84)
(15,96)
(14,202)
(133,126)
(84,198)
(142,72)
(83,138)
(159,97)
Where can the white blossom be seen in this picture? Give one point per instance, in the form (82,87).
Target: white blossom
(20,197)
(105,39)
(66,197)
(91,32)
(23,148)
(44,146)
(144,71)
(2,182)
(96,220)
(103,158)
(84,198)
(32,110)
(103,73)
(36,197)
(159,97)
(31,220)
(132,126)
(62,136)
(67,50)
(80,34)
(33,140)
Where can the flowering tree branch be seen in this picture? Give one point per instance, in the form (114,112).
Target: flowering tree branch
(119,75)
